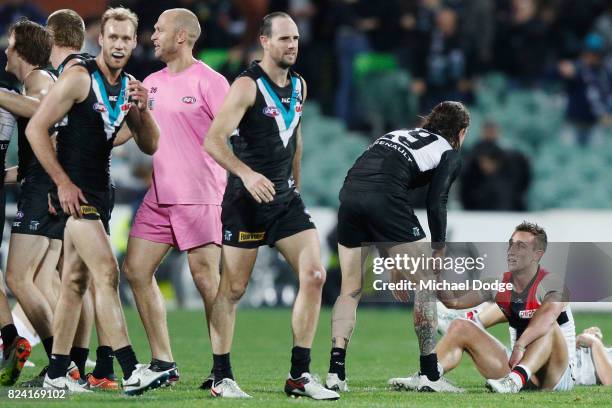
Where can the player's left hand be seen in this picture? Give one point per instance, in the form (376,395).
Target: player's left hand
(138,94)
(516,357)
(595,331)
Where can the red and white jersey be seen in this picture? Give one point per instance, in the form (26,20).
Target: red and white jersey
(519,308)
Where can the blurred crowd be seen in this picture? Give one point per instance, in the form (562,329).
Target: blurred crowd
(444,46)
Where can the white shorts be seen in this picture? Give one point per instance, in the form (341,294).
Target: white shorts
(566,382)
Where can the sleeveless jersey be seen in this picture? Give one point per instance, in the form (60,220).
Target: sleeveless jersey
(29,166)
(80,57)
(84,144)
(519,308)
(265,139)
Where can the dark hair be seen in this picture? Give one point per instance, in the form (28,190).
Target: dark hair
(447,119)
(67,29)
(541,240)
(32,42)
(266,23)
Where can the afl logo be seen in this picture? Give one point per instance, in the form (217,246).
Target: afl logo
(271,111)
(298,107)
(99,107)
(189,100)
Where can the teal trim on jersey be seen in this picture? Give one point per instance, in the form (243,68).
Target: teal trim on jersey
(113,113)
(287,116)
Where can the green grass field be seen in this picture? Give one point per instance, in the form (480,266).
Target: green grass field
(383,346)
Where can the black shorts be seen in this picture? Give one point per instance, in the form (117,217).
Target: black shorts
(247,224)
(369,217)
(33,216)
(99,206)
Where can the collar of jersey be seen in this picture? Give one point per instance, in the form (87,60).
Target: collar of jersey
(113,113)
(287,115)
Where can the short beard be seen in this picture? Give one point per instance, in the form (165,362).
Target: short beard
(284,65)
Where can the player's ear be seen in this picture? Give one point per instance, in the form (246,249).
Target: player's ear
(100,39)
(539,253)
(263,40)
(181,36)
(462,134)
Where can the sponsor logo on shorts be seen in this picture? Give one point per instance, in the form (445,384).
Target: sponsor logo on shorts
(527,314)
(190,100)
(34,225)
(251,236)
(88,209)
(99,107)
(19,215)
(227,235)
(271,111)
(416,231)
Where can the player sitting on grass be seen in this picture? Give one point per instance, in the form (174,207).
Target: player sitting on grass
(591,360)
(534,309)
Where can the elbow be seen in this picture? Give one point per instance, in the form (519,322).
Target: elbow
(31,131)
(153,147)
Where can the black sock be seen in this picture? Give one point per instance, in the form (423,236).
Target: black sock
(429,367)
(222,367)
(104,362)
(79,356)
(58,366)
(300,361)
(159,365)
(8,333)
(48,345)
(336,362)
(127,360)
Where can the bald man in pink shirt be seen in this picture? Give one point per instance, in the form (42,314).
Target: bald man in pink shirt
(182,209)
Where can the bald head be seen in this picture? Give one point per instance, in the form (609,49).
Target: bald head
(184,20)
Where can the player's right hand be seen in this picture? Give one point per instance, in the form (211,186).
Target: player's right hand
(71,197)
(586,340)
(259,186)
(396,276)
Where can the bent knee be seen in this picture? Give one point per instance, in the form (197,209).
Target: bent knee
(313,278)
(106,275)
(460,327)
(135,276)
(234,291)
(78,285)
